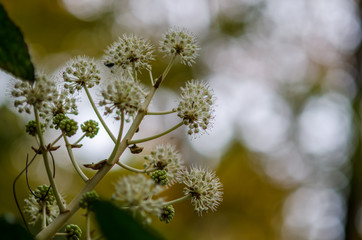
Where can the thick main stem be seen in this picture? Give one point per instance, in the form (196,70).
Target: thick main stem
(48,232)
(46,163)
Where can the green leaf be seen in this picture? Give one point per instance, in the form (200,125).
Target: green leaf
(12,230)
(14,55)
(116,224)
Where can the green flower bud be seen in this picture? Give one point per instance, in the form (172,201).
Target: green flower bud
(90,128)
(167,214)
(160,177)
(30,128)
(88,199)
(74,232)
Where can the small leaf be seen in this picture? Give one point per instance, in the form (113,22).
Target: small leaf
(14,55)
(116,224)
(12,230)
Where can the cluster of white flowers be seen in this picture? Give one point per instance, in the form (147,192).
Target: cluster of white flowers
(80,72)
(179,42)
(34,206)
(129,52)
(136,192)
(122,96)
(196,106)
(204,187)
(165,157)
(38,95)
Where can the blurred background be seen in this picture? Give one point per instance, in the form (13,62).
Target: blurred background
(286,139)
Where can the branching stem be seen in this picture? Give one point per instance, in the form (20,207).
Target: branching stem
(47,165)
(181,199)
(156,136)
(160,113)
(75,164)
(99,115)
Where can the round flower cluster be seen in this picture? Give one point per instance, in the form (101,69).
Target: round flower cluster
(135,192)
(167,214)
(160,177)
(180,42)
(90,128)
(165,157)
(204,188)
(34,207)
(68,126)
(61,104)
(196,106)
(74,232)
(81,72)
(30,127)
(123,96)
(38,95)
(57,119)
(129,52)
(88,199)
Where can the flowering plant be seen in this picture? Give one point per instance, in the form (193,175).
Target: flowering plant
(127,100)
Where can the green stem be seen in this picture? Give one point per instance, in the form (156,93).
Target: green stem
(170,64)
(71,156)
(151,77)
(56,140)
(73,206)
(98,114)
(44,224)
(118,141)
(62,234)
(181,199)
(46,163)
(131,168)
(80,139)
(160,113)
(155,136)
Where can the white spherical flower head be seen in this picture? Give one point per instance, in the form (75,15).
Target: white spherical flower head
(38,94)
(44,202)
(196,106)
(182,43)
(129,52)
(81,72)
(123,96)
(135,192)
(63,103)
(165,157)
(204,188)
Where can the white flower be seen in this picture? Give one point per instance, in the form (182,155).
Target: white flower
(34,205)
(180,42)
(204,188)
(165,157)
(196,106)
(125,95)
(129,52)
(80,72)
(38,94)
(135,192)
(62,103)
